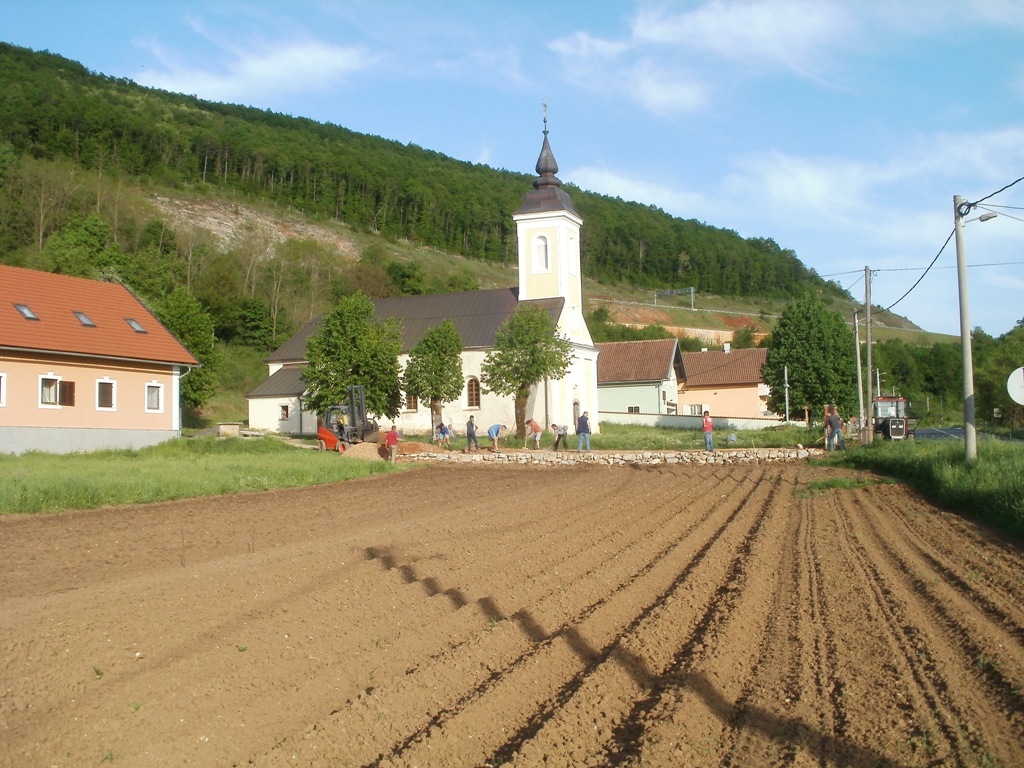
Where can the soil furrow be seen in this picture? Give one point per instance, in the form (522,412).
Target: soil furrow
(684,615)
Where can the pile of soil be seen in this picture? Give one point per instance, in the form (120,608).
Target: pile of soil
(480,616)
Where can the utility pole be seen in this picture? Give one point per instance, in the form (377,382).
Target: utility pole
(970,432)
(867,432)
(860,383)
(785,378)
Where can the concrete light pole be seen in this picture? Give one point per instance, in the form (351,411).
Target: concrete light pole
(867,430)
(961,209)
(860,382)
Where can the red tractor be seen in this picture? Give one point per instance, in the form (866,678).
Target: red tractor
(343,425)
(890,419)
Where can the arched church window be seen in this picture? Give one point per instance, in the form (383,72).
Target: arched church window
(541,256)
(473,393)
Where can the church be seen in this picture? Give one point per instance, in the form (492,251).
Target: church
(548,231)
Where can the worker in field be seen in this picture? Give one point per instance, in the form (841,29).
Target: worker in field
(834,430)
(391,441)
(471,442)
(495,431)
(533,431)
(561,435)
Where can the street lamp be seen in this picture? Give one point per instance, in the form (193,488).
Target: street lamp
(961,209)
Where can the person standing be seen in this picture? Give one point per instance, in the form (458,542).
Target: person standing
(583,432)
(533,430)
(708,427)
(471,441)
(834,430)
(391,440)
(561,436)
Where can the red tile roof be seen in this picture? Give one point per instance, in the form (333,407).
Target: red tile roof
(635,361)
(55,298)
(722,369)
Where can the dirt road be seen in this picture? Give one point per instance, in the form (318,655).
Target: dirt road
(525,616)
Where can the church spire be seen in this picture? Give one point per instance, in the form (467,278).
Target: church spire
(547,167)
(547,193)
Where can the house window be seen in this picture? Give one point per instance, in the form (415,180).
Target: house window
(54,392)
(3,389)
(473,393)
(105,395)
(284,413)
(412,403)
(84,319)
(695,410)
(135,325)
(633,409)
(26,311)
(154,398)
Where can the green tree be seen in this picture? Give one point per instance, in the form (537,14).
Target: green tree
(743,337)
(434,371)
(352,347)
(527,350)
(814,345)
(183,315)
(83,247)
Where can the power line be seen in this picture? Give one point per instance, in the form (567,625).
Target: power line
(962,210)
(926,271)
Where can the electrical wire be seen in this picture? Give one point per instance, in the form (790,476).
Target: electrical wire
(926,271)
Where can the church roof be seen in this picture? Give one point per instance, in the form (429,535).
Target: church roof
(477,315)
(547,193)
(632,362)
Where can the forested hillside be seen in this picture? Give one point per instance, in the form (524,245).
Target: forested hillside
(53,109)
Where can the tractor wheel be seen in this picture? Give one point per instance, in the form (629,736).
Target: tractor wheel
(341,446)
(321,445)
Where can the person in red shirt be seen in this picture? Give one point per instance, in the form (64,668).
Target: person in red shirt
(391,440)
(533,430)
(709,442)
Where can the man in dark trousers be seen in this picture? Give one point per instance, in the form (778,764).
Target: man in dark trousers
(583,432)
(471,442)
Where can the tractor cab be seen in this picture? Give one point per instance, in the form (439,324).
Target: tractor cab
(344,424)
(890,419)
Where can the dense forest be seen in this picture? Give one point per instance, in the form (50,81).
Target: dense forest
(54,109)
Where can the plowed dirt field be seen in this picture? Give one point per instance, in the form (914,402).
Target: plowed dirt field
(468,615)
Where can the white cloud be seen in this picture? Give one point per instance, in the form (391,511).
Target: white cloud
(663,91)
(259,70)
(614,184)
(581,45)
(790,34)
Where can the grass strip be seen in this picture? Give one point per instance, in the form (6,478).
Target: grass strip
(183,468)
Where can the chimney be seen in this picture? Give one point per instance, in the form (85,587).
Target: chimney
(726,347)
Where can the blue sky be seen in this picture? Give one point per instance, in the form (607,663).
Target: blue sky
(841,130)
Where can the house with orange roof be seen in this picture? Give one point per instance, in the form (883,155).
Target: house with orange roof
(638,376)
(83,366)
(727,383)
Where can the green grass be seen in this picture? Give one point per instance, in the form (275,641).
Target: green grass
(990,489)
(624,437)
(182,468)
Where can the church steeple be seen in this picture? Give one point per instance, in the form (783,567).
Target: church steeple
(547,193)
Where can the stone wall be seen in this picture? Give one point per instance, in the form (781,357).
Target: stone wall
(732,456)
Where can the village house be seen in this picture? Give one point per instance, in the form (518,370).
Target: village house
(639,376)
(83,366)
(726,383)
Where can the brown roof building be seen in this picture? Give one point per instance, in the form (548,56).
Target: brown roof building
(83,365)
